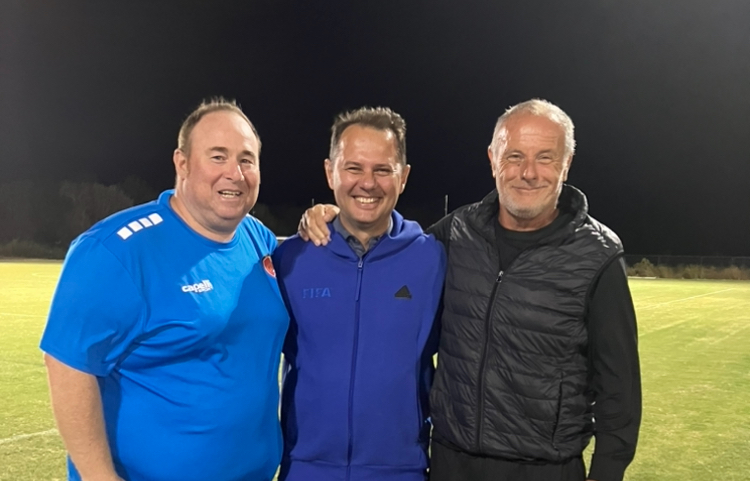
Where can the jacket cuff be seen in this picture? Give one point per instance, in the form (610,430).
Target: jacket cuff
(604,468)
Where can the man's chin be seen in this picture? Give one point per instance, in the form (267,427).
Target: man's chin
(230,219)
(366,214)
(526,213)
(367,222)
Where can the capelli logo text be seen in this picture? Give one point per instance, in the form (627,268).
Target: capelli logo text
(202,286)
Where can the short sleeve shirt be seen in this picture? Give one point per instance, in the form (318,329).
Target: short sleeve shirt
(184,335)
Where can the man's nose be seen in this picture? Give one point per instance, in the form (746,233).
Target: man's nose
(528,170)
(233,171)
(368,179)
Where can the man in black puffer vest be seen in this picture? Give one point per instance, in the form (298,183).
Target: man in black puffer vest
(538,348)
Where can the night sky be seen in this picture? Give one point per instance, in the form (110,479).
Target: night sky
(659,92)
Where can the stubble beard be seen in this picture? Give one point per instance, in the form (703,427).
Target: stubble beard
(525,212)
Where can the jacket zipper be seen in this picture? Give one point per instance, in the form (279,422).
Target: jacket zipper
(354,370)
(483,362)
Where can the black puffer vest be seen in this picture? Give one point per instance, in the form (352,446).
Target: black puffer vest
(512,368)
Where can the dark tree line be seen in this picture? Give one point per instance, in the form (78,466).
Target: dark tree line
(53,213)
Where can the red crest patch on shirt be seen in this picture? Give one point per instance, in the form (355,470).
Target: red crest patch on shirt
(268,266)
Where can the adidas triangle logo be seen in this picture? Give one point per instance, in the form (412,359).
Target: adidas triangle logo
(403,293)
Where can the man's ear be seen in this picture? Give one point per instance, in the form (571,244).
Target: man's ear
(492,161)
(404,177)
(567,168)
(328,165)
(180,161)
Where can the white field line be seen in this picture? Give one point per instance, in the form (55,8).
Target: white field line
(19,437)
(733,333)
(684,299)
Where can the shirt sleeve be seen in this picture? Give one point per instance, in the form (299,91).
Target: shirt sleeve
(615,374)
(96,310)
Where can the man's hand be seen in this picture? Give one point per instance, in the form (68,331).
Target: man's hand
(313,225)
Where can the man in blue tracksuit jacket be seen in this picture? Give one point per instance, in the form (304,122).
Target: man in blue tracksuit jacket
(361,339)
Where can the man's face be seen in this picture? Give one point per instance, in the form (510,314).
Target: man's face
(529,168)
(366,178)
(219,179)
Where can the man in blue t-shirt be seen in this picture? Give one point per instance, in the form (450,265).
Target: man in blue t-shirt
(165,331)
(361,338)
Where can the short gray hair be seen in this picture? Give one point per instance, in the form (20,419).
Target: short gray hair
(378,118)
(541,108)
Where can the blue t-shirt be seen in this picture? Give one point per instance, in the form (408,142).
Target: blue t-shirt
(185,336)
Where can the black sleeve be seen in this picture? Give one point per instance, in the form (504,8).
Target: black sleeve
(615,376)
(441,230)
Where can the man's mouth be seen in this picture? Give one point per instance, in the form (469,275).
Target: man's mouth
(230,194)
(366,200)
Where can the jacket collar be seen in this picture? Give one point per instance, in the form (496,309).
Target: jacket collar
(485,212)
(401,234)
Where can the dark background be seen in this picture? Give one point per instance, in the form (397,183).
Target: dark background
(659,92)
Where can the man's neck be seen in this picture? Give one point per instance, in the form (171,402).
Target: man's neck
(183,212)
(364,235)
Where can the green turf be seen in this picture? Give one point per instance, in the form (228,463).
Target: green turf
(25,292)
(695,358)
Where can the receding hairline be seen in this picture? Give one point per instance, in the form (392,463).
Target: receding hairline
(381,119)
(542,109)
(208,107)
(501,135)
(219,147)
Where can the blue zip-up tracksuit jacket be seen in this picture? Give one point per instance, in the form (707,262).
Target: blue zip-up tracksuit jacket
(359,355)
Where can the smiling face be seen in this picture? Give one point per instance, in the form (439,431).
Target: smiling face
(366,179)
(529,166)
(219,178)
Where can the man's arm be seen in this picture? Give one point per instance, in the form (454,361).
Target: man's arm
(96,312)
(77,405)
(615,376)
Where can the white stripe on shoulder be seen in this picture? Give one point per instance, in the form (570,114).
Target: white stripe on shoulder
(137,225)
(124,233)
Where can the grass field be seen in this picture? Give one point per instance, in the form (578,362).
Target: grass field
(695,358)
